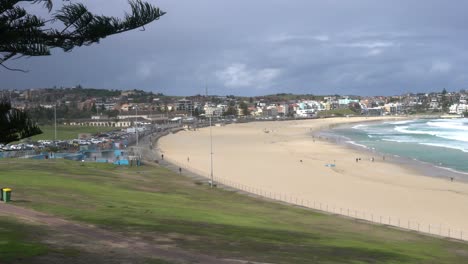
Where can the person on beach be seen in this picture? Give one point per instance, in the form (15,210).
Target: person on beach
(162,156)
(300,161)
(180,170)
(372,159)
(451,179)
(357,160)
(188,159)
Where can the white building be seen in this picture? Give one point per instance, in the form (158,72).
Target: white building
(458,109)
(305,113)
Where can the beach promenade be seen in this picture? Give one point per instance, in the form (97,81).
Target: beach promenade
(282,161)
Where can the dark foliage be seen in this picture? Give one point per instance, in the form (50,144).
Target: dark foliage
(15,124)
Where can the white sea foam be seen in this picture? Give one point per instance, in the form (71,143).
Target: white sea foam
(452,170)
(440,145)
(449,125)
(399,122)
(360,126)
(400,139)
(440,135)
(406,130)
(356,144)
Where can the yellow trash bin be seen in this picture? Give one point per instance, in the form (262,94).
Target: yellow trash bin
(6,194)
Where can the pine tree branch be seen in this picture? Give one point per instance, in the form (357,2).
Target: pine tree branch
(24,34)
(13,69)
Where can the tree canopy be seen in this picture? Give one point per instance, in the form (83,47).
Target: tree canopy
(15,124)
(73,25)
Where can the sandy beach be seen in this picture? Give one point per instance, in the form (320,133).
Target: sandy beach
(282,160)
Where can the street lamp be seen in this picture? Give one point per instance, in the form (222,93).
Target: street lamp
(211,152)
(55,122)
(136,126)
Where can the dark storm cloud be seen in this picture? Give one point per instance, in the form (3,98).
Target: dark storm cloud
(259,47)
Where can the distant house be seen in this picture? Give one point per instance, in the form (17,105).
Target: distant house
(458,109)
(393,108)
(125,107)
(184,105)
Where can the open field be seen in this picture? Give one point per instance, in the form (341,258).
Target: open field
(19,241)
(68,132)
(164,208)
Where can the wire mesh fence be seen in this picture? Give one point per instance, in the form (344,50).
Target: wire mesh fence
(440,229)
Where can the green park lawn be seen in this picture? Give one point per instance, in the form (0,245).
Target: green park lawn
(159,203)
(17,241)
(68,132)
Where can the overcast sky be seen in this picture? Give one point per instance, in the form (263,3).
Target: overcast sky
(257,47)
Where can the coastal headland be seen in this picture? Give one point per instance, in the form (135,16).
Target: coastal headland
(284,161)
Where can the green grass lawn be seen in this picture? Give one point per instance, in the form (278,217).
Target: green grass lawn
(16,241)
(68,132)
(338,112)
(154,202)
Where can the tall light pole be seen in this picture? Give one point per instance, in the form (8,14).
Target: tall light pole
(136,126)
(211,140)
(55,122)
(211,152)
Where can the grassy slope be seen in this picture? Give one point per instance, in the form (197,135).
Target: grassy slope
(15,241)
(156,202)
(68,132)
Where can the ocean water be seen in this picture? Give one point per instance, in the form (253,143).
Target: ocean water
(439,142)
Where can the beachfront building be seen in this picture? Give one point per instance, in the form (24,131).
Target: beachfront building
(213,110)
(345,102)
(393,108)
(434,104)
(270,110)
(305,113)
(257,111)
(458,109)
(184,105)
(101,123)
(375,111)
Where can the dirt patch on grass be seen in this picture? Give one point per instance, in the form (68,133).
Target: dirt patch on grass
(96,245)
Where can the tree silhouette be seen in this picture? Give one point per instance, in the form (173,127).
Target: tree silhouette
(15,124)
(26,34)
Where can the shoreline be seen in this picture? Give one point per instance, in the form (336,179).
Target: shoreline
(422,167)
(287,164)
